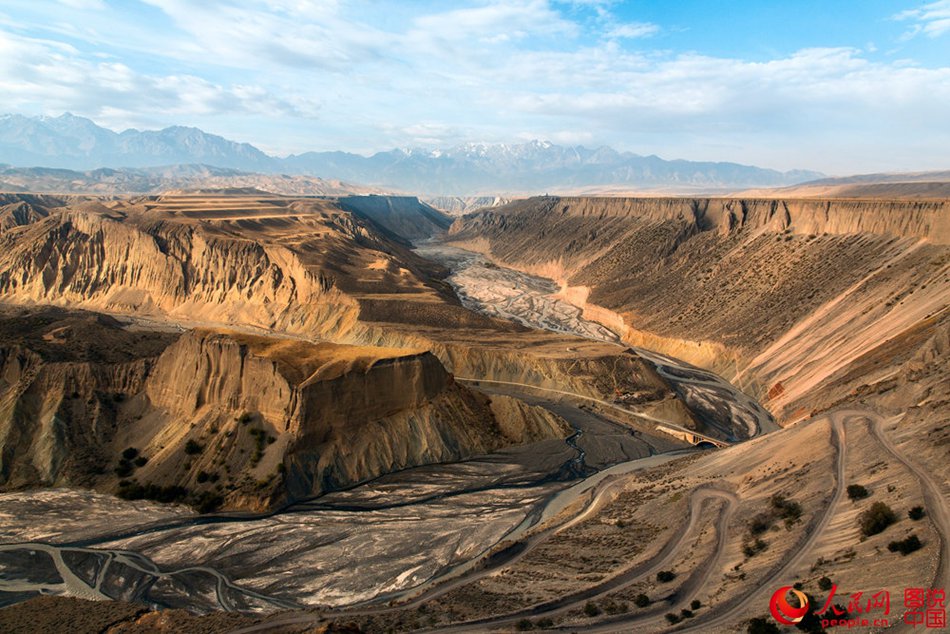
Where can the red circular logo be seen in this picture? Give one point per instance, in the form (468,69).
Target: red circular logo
(783,611)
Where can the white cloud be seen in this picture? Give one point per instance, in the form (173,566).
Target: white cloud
(632,30)
(55,77)
(931,19)
(84,4)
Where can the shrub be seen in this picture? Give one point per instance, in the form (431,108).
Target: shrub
(760,523)
(524,625)
(760,625)
(825,584)
(673,618)
(686,614)
(695,604)
(141,461)
(916,513)
(124,468)
(545,623)
(751,549)
(788,510)
(665,576)
(641,600)
(857,492)
(192,447)
(207,502)
(877,518)
(905,546)
(129,453)
(591,609)
(202,477)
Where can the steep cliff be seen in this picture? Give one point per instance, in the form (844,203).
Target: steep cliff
(778,295)
(218,418)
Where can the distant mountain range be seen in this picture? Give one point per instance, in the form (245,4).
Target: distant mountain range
(77,143)
(155,180)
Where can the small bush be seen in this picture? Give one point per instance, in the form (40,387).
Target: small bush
(825,584)
(788,510)
(192,448)
(124,469)
(665,576)
(203,477)
(129,453)
(695,604)
(753,548)
(905,546)
(857,492)
(207,502)
(141,461)
(916,513)
(545,623)
(641,600)
(524,625)
(760,523)
(761,625)
(877,518)
(686,614)
(673,618)
(591,609)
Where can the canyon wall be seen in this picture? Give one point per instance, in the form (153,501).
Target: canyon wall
(232,419)
(775,295)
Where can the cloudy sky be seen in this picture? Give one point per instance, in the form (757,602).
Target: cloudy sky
(844,86)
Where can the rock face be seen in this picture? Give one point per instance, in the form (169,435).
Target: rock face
(233,419)
(766,292)
(403,216)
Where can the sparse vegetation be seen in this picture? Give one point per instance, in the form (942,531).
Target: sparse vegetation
(686,614)
(754,547)
(916,513)
(785,509)
(825,584)
(672,618)
(192,447)
(760,625)
(905,546)
(132,490)
(141,461)
(524,625)
(876,518)
(591,609)
(665,576)
(641,600)
(857,492)
(695,604)
(130,453)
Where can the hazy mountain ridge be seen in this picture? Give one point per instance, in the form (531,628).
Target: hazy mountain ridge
(77,143)
(153,180)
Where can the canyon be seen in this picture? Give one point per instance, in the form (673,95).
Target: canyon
(565,395)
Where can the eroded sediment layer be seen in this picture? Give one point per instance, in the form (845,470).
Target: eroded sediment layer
(251,420)
(778,295)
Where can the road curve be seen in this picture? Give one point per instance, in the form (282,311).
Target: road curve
(662,559)
(732,611)
(938,510)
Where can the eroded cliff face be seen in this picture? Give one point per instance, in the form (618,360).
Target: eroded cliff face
(219,418)
(775,295)
(108,262)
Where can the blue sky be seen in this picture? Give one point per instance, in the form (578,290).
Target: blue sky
(842,86)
